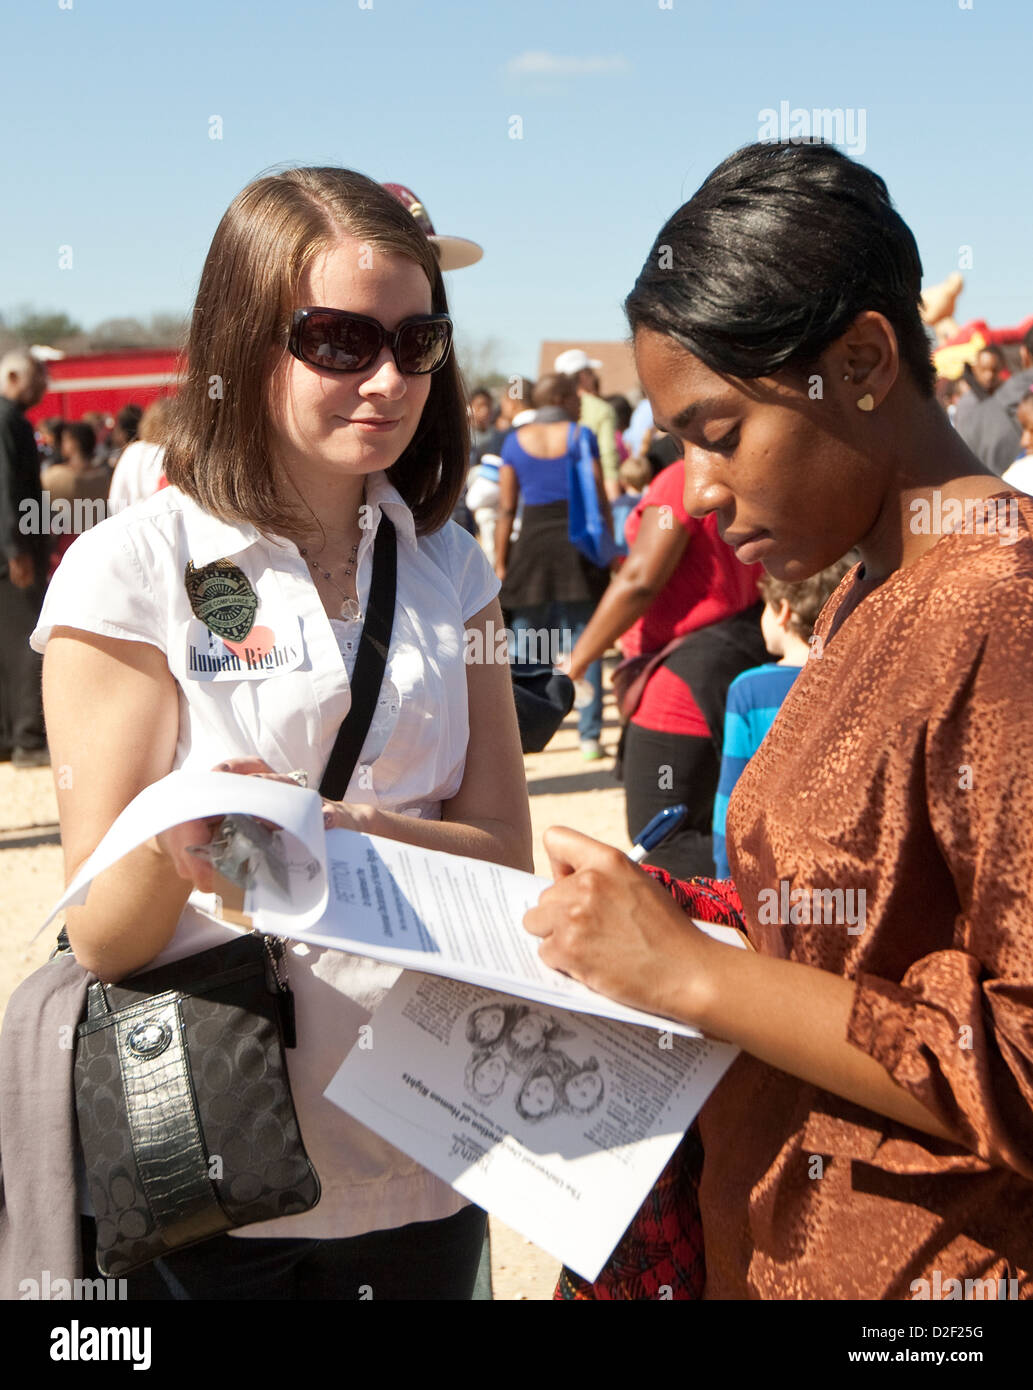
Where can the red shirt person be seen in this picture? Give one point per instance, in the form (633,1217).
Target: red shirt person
(679,585)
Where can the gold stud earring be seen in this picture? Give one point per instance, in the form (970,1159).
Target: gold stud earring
(867,402)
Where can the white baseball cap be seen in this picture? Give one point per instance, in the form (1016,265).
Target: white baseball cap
(574,360)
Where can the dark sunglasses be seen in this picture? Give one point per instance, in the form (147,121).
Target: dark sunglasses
(339,341)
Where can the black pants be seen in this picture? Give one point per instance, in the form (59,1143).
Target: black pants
(425,1260)
(21,700)
(661,770)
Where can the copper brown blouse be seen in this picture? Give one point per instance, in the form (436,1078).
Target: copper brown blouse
(900,767)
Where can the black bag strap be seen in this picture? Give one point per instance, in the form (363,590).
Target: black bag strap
(369,664)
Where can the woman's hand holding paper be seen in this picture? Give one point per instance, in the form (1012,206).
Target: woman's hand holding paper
(337,815)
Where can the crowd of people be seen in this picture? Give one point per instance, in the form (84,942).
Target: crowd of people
(835,694)
(693,625)
(101,461)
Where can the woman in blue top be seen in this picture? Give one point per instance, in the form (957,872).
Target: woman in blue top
(546,582)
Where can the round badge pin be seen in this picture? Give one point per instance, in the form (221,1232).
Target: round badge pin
(221,596)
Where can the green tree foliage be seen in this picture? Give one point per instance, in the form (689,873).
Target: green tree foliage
(43,327)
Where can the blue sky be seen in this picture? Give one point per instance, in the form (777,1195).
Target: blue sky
(625,107)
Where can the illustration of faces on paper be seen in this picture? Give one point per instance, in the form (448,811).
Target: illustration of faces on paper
(522,1055)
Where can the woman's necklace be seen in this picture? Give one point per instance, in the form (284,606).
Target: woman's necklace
(349,607)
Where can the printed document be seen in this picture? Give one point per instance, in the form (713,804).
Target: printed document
(557,1123)
(416,908)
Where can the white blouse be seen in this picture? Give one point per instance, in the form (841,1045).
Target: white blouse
(281,696)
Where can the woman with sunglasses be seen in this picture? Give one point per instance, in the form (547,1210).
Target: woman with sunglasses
(321,399)
(874,1139)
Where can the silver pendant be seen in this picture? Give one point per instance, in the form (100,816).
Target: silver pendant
(350,610)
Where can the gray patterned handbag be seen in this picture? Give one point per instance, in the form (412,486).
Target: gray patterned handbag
(186,1120)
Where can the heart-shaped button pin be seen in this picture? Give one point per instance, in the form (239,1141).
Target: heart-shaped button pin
(257,644)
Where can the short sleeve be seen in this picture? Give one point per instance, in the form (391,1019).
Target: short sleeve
(475,581)
(668,490)
(957,1031)
(102,586)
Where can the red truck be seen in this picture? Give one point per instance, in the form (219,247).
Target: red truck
(106,381)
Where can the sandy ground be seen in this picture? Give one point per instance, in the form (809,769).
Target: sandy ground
(564,790)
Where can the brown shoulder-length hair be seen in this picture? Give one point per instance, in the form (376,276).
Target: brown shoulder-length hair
(218,446)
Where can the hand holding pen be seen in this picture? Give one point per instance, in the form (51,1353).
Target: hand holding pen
(605,923)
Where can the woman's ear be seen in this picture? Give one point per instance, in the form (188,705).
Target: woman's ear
(865,361)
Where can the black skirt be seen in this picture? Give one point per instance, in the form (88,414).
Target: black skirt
(544,567)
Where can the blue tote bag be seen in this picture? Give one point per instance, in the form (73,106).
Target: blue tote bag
(587,526)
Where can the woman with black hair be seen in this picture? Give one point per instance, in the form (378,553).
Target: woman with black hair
(878,1126)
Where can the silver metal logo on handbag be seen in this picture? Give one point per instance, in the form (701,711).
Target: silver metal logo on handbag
(149,1039)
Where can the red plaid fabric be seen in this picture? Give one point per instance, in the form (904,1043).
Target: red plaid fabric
(661,1254)
(706,899)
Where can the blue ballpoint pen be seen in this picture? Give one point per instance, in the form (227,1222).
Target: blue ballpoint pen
(658,829)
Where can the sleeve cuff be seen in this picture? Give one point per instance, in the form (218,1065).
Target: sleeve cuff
(878,1021)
